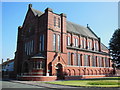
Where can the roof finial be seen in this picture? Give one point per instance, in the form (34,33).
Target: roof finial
(87,25)
(30,5)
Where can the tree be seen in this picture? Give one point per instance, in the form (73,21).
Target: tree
(114,47)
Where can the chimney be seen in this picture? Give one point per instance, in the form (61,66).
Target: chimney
(2,60)
(8,59)
(30,5)
(63,15)
(87,25)
(99,42)
(48,9)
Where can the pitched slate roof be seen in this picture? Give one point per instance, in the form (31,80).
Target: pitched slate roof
(36,12)
(103,47)
(72,27)
(75,28)
(78,29)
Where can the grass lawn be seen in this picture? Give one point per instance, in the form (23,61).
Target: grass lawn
(102,82)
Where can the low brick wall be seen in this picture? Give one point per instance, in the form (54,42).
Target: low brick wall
(53,78)
(83,77)
(38,78)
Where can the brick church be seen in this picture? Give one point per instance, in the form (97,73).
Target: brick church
(49,47)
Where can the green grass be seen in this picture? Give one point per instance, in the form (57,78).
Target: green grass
(103,82)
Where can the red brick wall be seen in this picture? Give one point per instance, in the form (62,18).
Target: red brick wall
(39,78)
(83,77)
(45,25)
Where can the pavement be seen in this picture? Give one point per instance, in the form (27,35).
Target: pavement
(41,84)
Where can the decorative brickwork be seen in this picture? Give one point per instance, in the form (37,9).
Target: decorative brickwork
(49,48)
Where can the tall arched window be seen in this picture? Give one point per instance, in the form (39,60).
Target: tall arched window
(99,62)
(54,21)
(79,60)
(58,42)
(75,59)
(54,42)
(85,60)
(69,58)
(93,61)
(41,42)
(59,22)
(88,60)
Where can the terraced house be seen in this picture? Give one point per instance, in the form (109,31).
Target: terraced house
(49,47)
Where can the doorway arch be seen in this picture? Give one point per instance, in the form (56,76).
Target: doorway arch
(59,71)
(25,67)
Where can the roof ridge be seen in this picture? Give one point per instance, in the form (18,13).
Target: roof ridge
(76,24)
(36,12)
(92,31)
(77,28)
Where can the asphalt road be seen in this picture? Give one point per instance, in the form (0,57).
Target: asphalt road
(8,84)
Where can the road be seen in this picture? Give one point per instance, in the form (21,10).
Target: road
(9,84)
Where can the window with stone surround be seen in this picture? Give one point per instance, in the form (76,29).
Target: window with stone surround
(41,42)
(99,61)
(107,62)
(29,47)
(94,61)
(59,42)
(54,42)
(79,60)
(89,45)
(68,41)
(54,21)
(69,58)
(75,59)
(75,42)
(59,22)
(86,60)
(38,64)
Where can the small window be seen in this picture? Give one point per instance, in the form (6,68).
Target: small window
(76,42)
(54,21)
(68,41)
(59,22)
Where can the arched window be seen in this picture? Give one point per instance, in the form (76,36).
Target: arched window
(58,42)
(84,43)
(86,60)
(74,72)
(75,42)
(41,42)
(68,72)
(94,61)
(69,58)
(59,22)
(79,60)
(88,64)
(68,41)
(54,21)
(75,59)
(54,42)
